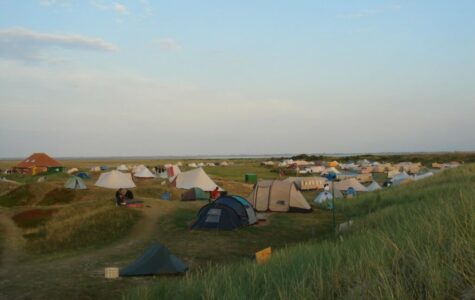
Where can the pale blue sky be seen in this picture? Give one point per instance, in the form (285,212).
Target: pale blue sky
(86,78)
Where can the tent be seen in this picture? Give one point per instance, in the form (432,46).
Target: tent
(400,177)
(393,173)
(331,170)
(350,192)
(75,183)
(72,170)
(122,168)
(173,171)
(115,180)
(327,195)
(422,176)
(96,169)
(83,175)
(194,194)
(195,178)
(136,169)
(344,185)
(278,195)
(157,260)
(144,173)
(192,165)
(374,186)
(308,183)
(227,213)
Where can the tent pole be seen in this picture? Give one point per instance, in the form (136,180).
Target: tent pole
(333,207)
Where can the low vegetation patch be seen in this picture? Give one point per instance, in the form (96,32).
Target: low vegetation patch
(22,195)
(59,196)
(33,218)
(202,247)
(84,225)
(156,191)
(411,242)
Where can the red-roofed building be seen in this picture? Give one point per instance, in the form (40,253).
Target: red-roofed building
(38,163)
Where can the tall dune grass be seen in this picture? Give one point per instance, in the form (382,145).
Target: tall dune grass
(411,242)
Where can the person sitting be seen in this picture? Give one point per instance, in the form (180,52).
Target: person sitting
(129,195)
(120,197)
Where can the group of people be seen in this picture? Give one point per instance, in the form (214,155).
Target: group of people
(122,196)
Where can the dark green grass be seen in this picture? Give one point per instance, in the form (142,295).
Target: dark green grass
(236,172)
(410,242)
(201,247)
(19,196)
(59,196)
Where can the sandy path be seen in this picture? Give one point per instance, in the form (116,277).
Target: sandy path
(12,242)
(79,276)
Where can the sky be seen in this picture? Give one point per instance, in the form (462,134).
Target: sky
(131,78)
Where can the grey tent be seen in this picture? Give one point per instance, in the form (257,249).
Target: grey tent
(75,183)
(374,186)
(157,260)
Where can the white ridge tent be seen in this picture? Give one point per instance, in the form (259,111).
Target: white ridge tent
(136,169)
(122,168)
(96,169)
(422,176)
(374,186)
(400,177)
(144,173)
(327,195)
(350,182)
(115,180)
(72,170)
(195,178)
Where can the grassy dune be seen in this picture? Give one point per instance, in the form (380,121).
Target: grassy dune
(411,242)
(82,225)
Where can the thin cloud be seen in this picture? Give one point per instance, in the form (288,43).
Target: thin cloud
(120,8)
(27,45)
(169,44)
(362,13)
(115,7)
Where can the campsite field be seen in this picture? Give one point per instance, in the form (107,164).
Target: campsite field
(55,244)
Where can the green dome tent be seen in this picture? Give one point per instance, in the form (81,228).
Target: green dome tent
(157,260)
(75,183)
